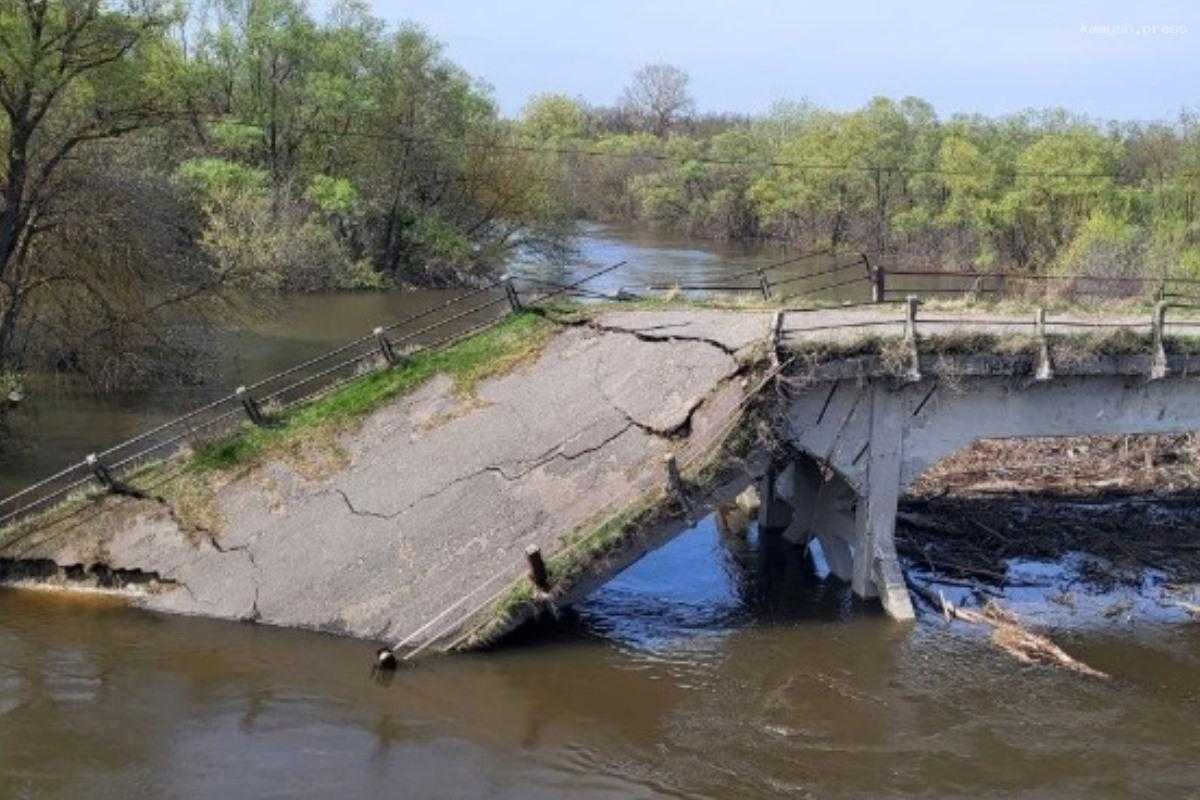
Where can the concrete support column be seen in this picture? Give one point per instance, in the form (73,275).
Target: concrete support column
(876,566)
(774,513)
(823,509)
(833,524)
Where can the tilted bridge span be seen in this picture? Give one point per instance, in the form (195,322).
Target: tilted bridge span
(420,539)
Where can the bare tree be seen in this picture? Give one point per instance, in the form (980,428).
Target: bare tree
(658,95)
(72,73)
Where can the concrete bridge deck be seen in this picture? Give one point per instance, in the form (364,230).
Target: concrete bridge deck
(440,495)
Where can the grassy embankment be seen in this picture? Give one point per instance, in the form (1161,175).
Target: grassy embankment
(307,435)
(469,362)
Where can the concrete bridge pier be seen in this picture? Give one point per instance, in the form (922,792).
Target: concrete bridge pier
(775,513)
(855,533)
(876,565)
(847,503)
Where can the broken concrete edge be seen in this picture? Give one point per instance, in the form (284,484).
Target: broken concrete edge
(181,481)
(94,578)
(584,551)
(593,553)
(576,315)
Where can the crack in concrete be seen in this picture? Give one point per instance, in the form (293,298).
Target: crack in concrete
(354,511)
(672,433)
(642,334)
(557,454)
(660,433)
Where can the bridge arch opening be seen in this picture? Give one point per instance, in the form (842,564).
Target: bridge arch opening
(874,439)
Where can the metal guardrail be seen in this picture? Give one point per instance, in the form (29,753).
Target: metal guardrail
(887,284)
(1080,285)
(766,286)
(385,346)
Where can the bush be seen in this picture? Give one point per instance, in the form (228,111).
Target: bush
(1105,246)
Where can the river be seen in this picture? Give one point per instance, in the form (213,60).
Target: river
(707,669)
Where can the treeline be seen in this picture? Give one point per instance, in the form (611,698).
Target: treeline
(1046,191)
(161,163)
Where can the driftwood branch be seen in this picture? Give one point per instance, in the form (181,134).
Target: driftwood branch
(1007,632)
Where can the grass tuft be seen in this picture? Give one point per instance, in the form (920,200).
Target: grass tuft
(468,363)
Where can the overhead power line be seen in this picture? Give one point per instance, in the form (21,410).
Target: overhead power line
(814,166)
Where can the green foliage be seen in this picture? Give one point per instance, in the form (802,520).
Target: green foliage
(552,117)
(332,195)
(235,138)
(1104,245)
(213,177)
(1035,192)
(361,129)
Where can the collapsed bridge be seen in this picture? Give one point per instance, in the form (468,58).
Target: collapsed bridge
(412,528)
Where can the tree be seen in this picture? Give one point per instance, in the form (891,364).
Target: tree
(658,96)
(73,73)
(550,117)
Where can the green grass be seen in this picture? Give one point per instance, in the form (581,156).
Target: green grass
(493,352)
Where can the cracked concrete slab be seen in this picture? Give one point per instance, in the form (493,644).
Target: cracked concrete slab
(440,493)
(730,331)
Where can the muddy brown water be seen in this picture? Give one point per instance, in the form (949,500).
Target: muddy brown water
(702,671)
(708,669)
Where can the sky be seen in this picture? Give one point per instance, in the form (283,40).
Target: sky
(1110,60)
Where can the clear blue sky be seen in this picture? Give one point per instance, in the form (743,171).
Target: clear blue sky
(1130,60)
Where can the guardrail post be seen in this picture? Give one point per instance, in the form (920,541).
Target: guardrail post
(878,280)
(1045,370)
(253,410)
(510,291)
(910,337)
(776,337)
(764,285)
(385,347)
(109,481)
(102,472)
(675,484)
(1158,363)
(910,317)
(538,573)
